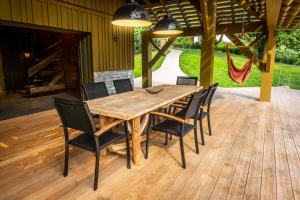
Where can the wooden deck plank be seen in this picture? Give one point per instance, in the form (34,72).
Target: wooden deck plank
(291,149)
(238,185)
(268,185)
(226,164)
(252,154)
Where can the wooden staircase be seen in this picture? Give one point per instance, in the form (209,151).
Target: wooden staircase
(46,74)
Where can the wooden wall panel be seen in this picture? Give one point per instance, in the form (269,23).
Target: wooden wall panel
(92,16)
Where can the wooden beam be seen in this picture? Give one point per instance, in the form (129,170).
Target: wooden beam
(155,46)
(204,14)
(273,11)
(235,40)
(162,51)
(208,11)
(252,27)
(146,57)
(267,75)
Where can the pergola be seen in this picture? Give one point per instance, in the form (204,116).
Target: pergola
(229,17)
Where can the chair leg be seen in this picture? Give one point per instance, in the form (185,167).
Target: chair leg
(128,157)
(209,125)
(166,139)
(66,159)
(196,139)
(96,171)
(202,132)
(170,137)
(182,152)
(147,139)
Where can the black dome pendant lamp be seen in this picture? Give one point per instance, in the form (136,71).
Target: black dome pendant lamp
(167,26)
(132,15)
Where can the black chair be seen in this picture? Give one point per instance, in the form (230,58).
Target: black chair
(95,90)
(123,85)
(178,126)
(203,113)
(76,115)
(184,80)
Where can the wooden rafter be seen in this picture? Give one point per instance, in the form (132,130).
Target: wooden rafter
(247,7)
(189,14)
(148,3)
(232,12)
(293,14)
(183,14)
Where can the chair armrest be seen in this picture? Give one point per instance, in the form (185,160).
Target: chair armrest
(108,126)
(168,116)
(177,105)
(181,102)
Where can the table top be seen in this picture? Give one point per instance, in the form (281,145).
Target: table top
(138,102)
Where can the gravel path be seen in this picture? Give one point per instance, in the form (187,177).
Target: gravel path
(168,71)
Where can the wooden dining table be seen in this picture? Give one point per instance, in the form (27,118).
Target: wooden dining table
(130,106)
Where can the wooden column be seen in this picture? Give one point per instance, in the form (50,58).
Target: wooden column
(146,58)
(267,74)
(273,10)
(208,10)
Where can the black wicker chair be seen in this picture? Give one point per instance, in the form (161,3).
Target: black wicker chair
(95,90)
(184,80)
(76,115)
(178,126)
(204,110)
(208,100)
(123,85)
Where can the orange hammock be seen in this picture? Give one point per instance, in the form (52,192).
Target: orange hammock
(239,75)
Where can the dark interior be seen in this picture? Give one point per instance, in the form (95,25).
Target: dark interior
(36,65)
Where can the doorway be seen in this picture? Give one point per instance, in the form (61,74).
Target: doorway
(36,65)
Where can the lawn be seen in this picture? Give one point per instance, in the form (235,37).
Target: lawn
(190,62)
(138,64)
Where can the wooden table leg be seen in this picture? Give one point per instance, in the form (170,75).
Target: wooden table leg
(136,144)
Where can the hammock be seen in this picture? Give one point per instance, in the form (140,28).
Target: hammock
(239,75)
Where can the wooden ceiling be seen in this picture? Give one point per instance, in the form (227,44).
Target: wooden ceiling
(188,12)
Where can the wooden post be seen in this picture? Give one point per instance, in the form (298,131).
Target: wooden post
(146,58)
(208,10)
(273,10)
(267,74)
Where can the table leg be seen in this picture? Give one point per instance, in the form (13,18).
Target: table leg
(136,144)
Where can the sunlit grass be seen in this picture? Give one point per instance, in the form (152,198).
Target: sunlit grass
(190,64)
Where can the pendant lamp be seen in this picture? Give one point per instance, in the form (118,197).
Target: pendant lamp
(132,15)
(167,26)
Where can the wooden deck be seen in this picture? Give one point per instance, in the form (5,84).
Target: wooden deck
(253,154)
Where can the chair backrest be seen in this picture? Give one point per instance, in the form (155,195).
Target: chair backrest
(194,104)
(95,90)
(184,80)
(123,85)
(211,91)
(74,114)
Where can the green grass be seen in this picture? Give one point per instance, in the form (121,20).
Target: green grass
(190,61)
(138,63)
